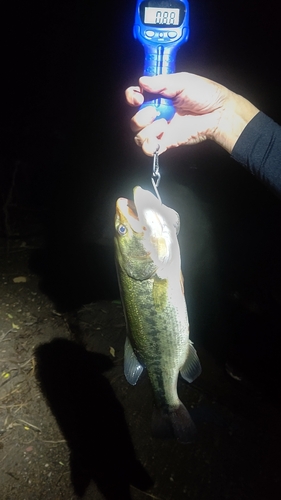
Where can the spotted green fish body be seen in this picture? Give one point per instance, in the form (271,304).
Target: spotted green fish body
(151,285)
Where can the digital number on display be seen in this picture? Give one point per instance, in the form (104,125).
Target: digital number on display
(156,15)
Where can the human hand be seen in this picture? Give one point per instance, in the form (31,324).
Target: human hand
(204,110)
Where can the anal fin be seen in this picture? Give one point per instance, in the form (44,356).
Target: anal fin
(192,367)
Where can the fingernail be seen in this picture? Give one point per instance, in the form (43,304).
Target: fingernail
(138,99)
(138,141)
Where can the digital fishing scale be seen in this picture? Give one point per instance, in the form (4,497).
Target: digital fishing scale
(161,26)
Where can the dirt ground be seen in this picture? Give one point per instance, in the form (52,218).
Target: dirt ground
(33,450)
(71,426)
(35,461)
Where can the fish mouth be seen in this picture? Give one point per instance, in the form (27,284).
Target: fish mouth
(127,214)
(132,209)
(150,221)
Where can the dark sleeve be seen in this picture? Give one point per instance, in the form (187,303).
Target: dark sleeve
(259,150)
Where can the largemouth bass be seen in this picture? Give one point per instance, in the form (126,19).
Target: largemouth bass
(151,286)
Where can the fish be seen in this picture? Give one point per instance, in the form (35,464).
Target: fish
(148,263)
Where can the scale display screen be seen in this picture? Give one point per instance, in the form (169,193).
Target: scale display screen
(163,13)
(162,16)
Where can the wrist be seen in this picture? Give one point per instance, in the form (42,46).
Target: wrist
(234,115)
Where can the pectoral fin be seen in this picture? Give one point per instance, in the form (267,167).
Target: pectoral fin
(192,367)
(132,367)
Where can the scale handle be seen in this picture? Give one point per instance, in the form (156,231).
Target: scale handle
(159,60)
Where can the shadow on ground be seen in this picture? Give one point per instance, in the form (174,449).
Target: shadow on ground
(90,418)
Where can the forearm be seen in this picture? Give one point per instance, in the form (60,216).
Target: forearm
(259,150)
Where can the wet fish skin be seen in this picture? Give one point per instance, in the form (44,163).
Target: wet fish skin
(151,285)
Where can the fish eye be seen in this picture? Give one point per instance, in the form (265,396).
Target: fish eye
(121,229)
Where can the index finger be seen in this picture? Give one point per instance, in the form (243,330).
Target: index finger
(143,118)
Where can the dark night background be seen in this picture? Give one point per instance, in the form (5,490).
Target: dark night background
(67,150)
(65,66)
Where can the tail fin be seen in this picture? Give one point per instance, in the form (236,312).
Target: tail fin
(173,422)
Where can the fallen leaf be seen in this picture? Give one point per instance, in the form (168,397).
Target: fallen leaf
(20,279)
(112,351)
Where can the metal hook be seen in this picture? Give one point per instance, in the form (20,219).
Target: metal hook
(155,179)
